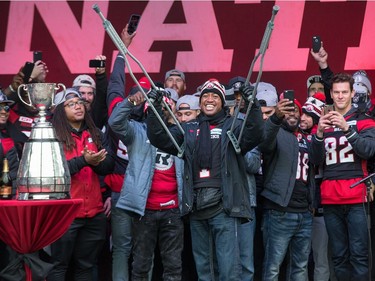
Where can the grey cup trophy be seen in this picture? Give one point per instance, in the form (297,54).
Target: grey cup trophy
(43,172)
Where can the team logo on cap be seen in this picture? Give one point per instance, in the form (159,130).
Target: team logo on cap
(309,108)
(237,85)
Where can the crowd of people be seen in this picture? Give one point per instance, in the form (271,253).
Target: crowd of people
(233,182)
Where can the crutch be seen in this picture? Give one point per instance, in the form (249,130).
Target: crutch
(261,52)
(124,51)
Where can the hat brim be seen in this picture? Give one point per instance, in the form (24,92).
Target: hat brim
(10,102)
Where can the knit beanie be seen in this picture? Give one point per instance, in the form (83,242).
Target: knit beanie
(213,86)
(314,106)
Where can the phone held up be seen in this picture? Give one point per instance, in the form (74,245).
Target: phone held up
(27,70)
(289,94)
(328,108)
(133,23)
(37,55)
(97,63)
(316,44)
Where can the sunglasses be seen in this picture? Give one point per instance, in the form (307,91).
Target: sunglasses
(5,107)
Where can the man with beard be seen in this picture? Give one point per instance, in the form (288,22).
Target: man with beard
(175,79)
(288,192)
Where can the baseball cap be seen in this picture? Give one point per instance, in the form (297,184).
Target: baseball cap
(236,82)
(84,80)
(172,94)
(145,84)
(190,100)
(4,99)
(62,96)
(266,94)
(175,72)
(314,79)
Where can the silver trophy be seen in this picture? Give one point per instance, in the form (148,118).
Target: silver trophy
(43,172)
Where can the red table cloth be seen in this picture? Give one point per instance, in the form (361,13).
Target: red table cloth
(28,226)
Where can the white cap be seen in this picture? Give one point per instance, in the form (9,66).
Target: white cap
(84,80)
(267,92)
(172,93)
(190,100)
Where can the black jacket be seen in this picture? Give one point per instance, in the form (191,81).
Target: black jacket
(235,187)
(280,159)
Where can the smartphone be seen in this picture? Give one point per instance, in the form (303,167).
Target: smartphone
(27,70)
(97,63)
(328,108)
(316,44)
(133,23)
(37,55)
(289,94)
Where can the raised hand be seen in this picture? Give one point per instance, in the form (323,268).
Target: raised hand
(155,96)
(94,158)
(247,92)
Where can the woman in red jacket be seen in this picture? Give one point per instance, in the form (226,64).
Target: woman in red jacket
(84,148)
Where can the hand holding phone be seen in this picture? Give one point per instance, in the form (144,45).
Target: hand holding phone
(97,63)
(328,108)
(316,44)
(27,70)
(289,94)
(133,23)
(37,55)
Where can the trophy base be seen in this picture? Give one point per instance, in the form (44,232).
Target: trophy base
(43,196)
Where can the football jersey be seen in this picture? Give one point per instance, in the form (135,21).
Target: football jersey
(341,162)
(342,166)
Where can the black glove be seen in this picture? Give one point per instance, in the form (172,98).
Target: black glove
(155,96)
(247,92)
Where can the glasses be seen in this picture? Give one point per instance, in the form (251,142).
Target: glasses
(6,108)
(72,104)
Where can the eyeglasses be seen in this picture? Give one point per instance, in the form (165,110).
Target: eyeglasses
(72,104)
(5,107)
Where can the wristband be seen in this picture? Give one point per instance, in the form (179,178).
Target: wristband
(11,88)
